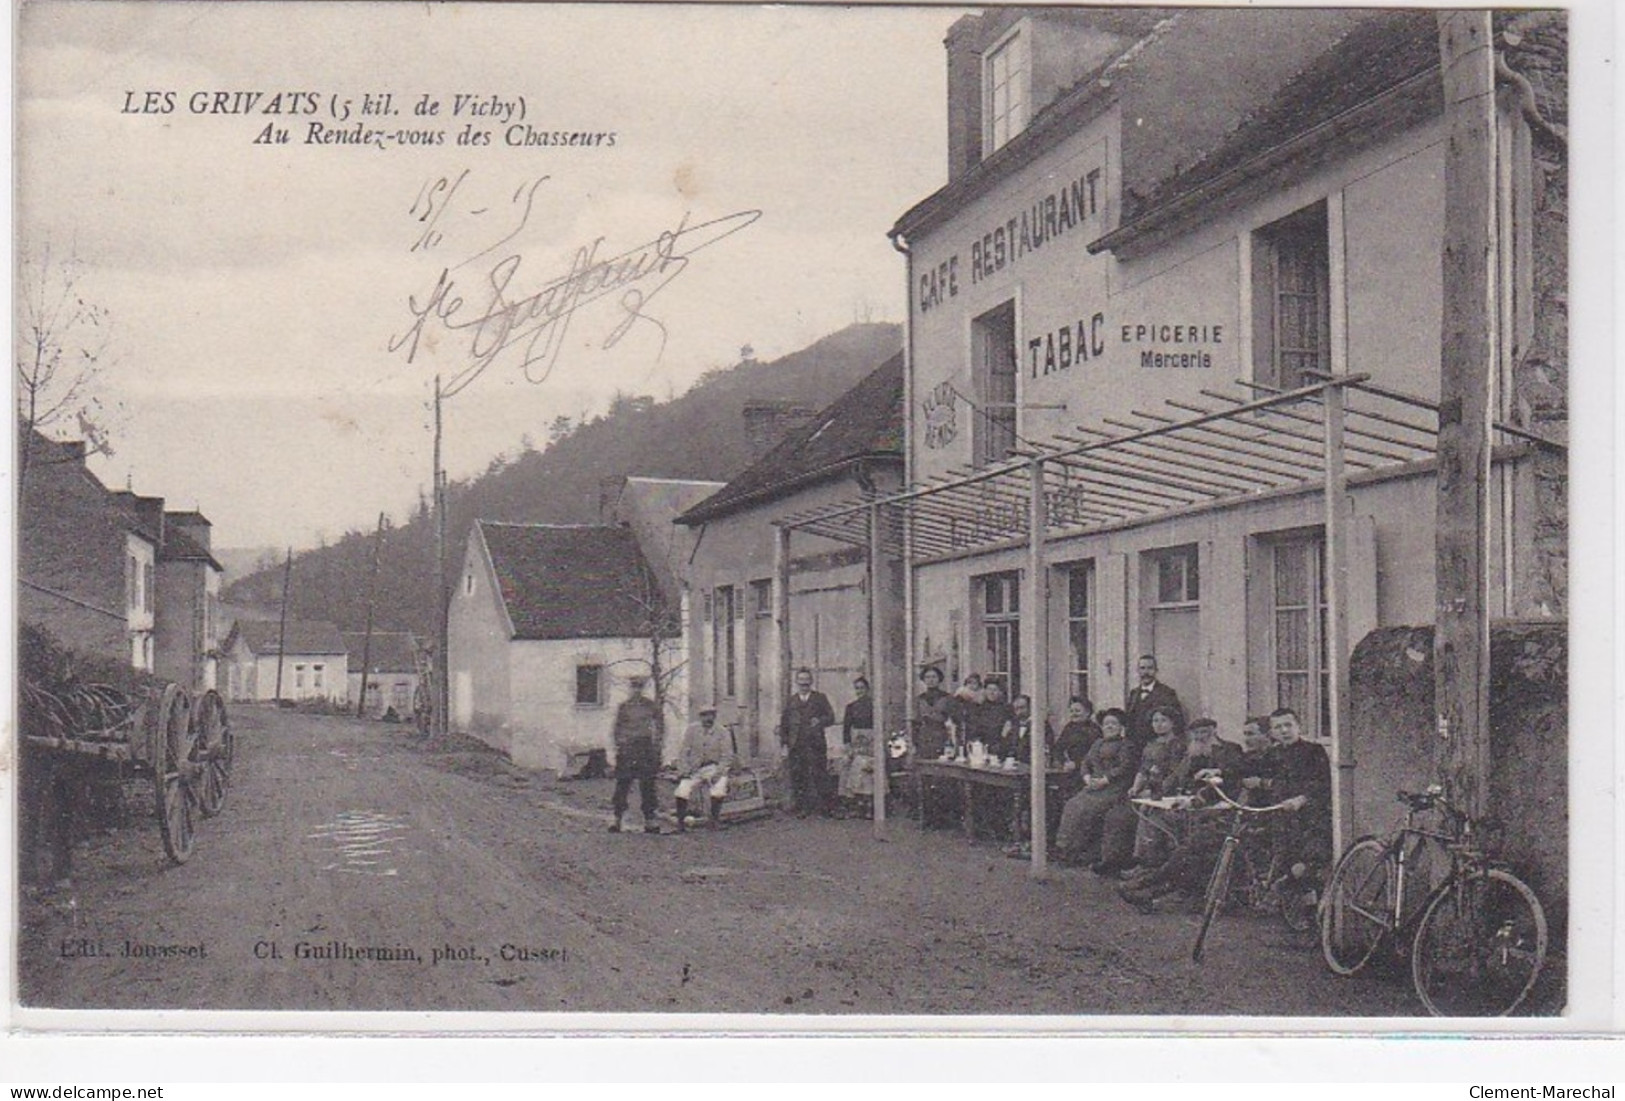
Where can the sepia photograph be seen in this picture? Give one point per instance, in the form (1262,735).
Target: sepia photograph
(823,516)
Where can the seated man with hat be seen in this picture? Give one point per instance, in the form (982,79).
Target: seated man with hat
(706,757)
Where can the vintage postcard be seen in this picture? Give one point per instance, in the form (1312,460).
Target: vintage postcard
(809,517)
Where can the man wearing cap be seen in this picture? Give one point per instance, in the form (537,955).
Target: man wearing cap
(637,739)
(706,757)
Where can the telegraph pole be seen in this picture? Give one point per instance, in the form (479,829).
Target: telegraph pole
(1461,646)
(282,624)
(442,691)
(372,600)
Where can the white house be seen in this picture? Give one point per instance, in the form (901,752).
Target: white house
(313,657)
(547,625)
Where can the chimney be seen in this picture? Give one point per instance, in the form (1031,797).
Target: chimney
(768,422)
(609,498)
(964,46)
(194,524)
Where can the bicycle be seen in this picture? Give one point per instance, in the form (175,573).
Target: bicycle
(1477,941)
(1282,888)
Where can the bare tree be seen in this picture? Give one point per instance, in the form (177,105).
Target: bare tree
(660,627)
(62,344)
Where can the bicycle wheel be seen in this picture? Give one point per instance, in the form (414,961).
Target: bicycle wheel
(1357,911)
(1218,887)
(1300,898)
(1480,947)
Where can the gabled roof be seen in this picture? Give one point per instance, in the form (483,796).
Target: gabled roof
(386,652)
(572,581)
(866,422)
(301,637)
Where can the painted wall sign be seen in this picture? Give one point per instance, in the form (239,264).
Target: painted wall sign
(1050,216)
(1176,345)
(941,418)
(1059,350)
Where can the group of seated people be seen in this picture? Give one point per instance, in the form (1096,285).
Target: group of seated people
(1125,761)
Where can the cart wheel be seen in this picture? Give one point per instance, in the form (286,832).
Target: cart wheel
(173,773)
(213,751)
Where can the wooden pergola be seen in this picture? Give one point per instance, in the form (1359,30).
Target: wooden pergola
(1246,443)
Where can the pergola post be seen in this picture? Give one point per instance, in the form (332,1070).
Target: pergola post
(1036,626)
(879,613)
(781,616)
(1337,619)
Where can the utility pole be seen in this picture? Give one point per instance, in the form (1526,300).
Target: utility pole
(372,600)
(1461,646)
(282,625)
(442,666)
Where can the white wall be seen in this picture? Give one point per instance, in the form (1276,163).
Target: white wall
(546,720)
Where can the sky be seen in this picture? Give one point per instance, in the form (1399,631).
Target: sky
(276,313)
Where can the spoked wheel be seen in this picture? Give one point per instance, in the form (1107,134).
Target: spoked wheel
(212,750)
(1357,911)
(1480,947)
(175,775)
(1218,888)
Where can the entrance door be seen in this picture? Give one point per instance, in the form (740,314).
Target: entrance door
(762,659)
(1176,640)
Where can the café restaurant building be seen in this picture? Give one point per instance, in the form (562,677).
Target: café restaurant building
(1173,359)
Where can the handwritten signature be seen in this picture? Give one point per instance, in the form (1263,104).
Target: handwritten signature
(496,313)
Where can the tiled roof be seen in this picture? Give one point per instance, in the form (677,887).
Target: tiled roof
(864,422)
(301,637)
(1378,54)
(561,582)
(388,651)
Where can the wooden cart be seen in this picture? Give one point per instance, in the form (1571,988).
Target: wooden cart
(183,743)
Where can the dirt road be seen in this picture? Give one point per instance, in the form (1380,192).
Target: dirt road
(356,869)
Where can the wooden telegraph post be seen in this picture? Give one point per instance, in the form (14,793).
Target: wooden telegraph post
(1461,636)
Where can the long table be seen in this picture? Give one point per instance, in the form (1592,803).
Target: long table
(969,778)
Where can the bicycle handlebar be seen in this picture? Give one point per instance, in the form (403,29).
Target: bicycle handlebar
(1216,779)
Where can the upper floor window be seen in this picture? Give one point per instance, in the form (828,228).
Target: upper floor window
(132,583)
(146,588)
(1292,299)
(994,348)
(1006,80)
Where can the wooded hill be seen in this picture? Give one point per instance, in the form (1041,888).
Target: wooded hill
(698,435)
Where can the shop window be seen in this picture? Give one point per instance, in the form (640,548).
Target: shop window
(589,685)
(994,348)
(1080,579)
(1006,90)
(1291,299)
(1000,610)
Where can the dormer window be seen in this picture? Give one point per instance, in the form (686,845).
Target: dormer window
(1006,89)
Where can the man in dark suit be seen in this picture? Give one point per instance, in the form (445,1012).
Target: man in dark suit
(1145,698)
(801,732)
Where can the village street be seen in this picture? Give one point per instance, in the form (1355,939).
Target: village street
(510,895)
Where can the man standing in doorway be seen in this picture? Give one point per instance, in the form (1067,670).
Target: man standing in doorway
(637,754)
(1146,697)
(801,732)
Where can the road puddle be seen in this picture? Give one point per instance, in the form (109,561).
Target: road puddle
(362,841)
